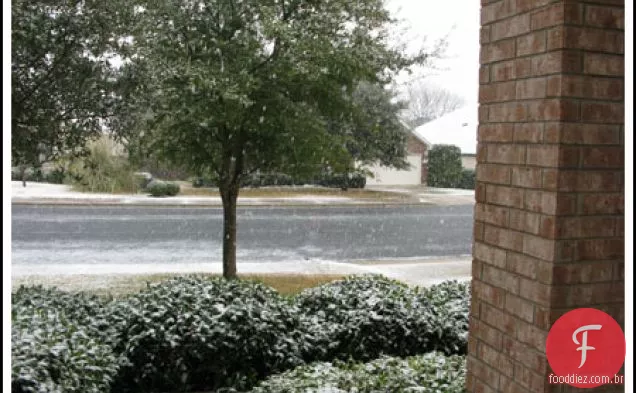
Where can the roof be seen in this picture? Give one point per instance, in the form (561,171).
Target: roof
(457,128)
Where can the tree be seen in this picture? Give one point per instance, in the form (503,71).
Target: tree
(252,85)
(63,87)
(444,166)
(426,102)
(375,131)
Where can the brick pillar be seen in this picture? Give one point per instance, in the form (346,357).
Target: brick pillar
(549,217)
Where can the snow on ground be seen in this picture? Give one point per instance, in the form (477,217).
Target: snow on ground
(44,191)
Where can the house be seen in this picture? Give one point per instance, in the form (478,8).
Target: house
(457,128)
(416,148)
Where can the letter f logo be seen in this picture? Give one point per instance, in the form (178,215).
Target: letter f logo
(584,347)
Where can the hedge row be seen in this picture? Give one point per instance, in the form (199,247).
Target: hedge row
(202,334)
(343,181)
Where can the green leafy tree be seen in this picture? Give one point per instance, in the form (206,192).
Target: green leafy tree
(444,166)
(253,85)
(375,133)
(64,89)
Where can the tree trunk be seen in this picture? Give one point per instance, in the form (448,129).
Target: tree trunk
(229,195)
(23,175)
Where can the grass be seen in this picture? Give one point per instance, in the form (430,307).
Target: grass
(286,192)
(118,285)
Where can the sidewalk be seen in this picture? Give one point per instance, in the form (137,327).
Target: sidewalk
(55,194)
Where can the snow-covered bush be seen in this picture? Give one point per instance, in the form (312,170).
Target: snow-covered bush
(449,308)
(60,343)
(364,317)
(192,334)
(431,372)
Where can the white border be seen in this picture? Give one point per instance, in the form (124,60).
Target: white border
(629,195)
(6,197)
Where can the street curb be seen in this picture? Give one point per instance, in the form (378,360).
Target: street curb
(60,202)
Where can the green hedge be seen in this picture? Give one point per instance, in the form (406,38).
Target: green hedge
(198,334)
(342,181)
(158,188)
(432,372)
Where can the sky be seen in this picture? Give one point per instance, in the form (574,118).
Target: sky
(459,21)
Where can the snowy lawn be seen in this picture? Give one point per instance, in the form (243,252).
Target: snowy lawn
(122,284)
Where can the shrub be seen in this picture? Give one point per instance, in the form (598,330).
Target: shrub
(103,171)
(190,334)
(172,189)
(157,188)
(467,180)
(364,317)
(431,372)
(60,343)
(444,166)
(343,180)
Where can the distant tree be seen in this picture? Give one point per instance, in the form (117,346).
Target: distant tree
(253,85)
(444,166)
(375,133)
(426,102)
(64,89)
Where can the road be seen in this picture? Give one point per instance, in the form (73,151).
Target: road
(59,235)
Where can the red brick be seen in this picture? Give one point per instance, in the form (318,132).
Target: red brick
(490,255)
(607,113)
(512,27)
(538,247)
(528,132)
(504,238)
(526,177)
(495,215)
(521,264)
(531,88)
(523,221)
(590,39)
(497,51)
(496,11)
(603,64)
(580,273)
(478,231)
(496,360)
(550,180)
(499,319)
(543,155)
(553,109)
(589,181)
(565,250)
(547,227)
(603,157)
(600,249)
(495,132)
(531,335)
(497,92)
(480,192)
(540,201)
(519,307)
(500,279)
(483,112)
(475,309)
(487,334)
(491,294)
(524,354)
(557,14)
(587,294)
(529,5)
(486,374)
(607,17)
(523,67)
(528,379)
(556,62)
(531,44)
(507,112)
(484,35)
(619,271)
(484,74)
(582,134)
(569,157)
(535,291)
(504,196)
(476,269)
(585,227)
(505,154)
(603,204)
(473,344)
(503,71)
(497,174)
(542,317)
(585,87)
